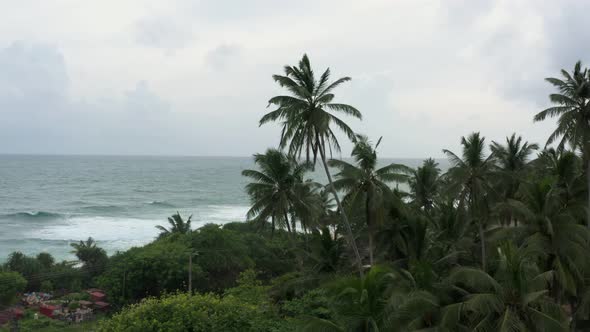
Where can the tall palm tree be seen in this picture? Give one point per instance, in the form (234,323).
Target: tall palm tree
(573,110)
(365,183)
(470,176)
(515,298)
(511,160)
(424,184)
(308,122)
(177,225)
(274,189)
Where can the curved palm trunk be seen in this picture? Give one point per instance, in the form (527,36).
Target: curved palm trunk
(341,210)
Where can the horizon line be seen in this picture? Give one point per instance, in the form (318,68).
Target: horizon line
(165,155)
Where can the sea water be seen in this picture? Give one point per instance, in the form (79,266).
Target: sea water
(48,202)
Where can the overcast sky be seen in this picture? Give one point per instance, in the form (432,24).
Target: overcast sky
(180,77)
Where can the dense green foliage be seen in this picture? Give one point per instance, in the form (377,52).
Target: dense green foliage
(183,312)
(11,283)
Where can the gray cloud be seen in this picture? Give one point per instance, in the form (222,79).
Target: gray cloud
(423,74)
(161,32)
(223,55)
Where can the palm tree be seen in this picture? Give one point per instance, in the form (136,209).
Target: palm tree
(564,167)
(424,184)
(177,225)
(573,110)
(470,177)
(93,257)
(514,299)
(365,183)
(382,300)
(511,160)
(552,231)
(307,119)
(274,188)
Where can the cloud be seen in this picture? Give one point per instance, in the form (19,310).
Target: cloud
(163,32)
(222,56)
(128,77)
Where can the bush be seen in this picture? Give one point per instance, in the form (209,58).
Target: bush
(76,297)
(11,283)
(157,268)
(46,286)
(196,313)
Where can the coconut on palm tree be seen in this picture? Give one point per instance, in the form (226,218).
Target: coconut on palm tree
(470,178)
(308,115)
(177,225)
(366,186)
(573,112)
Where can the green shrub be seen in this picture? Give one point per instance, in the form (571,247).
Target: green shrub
(11,283)
(46,286)
(196,313)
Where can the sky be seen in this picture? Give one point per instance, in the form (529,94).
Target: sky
(180,77)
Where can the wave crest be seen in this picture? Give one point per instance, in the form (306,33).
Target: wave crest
(161,204)
(39,215)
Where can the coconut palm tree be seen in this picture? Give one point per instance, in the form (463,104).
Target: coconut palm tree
(565,169)
(573,109)
(365,184)
(511,160)
(470,177)
(515,298)
(424,184)
(93,257)
(177,225)
(308,120)
(276,188)
(552,231)
(382,300)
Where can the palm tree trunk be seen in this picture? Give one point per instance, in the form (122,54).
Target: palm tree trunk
(483,245)
(341,210)
(588,182)
(370,229)
(272,227)
(291,237)
(287,222)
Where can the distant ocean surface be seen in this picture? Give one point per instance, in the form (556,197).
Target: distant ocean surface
(47,202)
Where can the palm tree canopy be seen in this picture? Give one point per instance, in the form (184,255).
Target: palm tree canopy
(514,155)
(470,172)
(177,225)
(572,108)
(278,187)
(514,299)
(424,183)
(308,112)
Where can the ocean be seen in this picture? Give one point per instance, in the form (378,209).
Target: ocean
(48,202)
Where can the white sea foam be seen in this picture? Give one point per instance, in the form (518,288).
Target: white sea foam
(120,233)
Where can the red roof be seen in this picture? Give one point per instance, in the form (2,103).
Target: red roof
(48,310)
(97,294)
